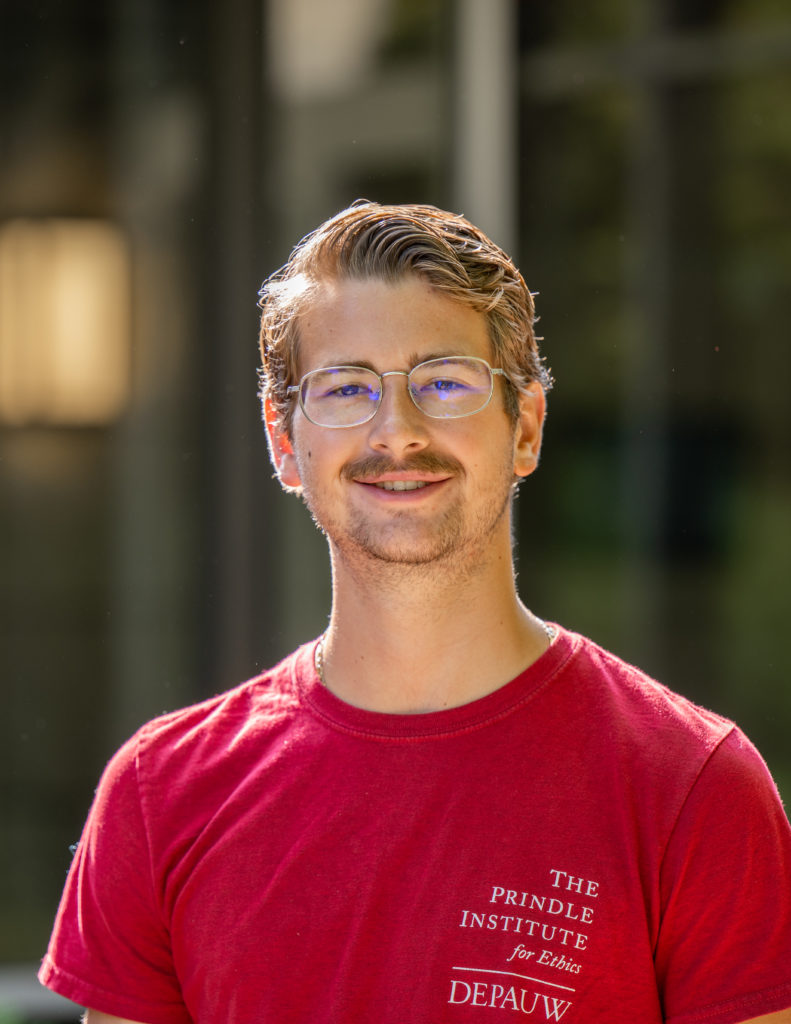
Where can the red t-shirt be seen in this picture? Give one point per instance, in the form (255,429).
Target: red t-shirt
(581,845)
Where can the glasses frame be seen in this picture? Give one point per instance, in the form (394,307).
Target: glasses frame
(297,389)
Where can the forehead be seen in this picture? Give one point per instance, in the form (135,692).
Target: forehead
(391,326)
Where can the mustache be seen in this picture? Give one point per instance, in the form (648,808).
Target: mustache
(422,462)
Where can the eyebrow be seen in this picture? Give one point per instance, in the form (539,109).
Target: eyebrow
(414,360)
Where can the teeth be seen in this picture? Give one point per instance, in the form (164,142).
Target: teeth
(401,485)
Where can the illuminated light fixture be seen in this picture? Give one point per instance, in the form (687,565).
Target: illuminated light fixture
(64,322)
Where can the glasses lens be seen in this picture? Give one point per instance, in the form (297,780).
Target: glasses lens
(340,396)
(444,388)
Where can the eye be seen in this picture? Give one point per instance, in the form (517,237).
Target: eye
(342,384)
(348,391)
(443,385)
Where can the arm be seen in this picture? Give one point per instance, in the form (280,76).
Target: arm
(782,1017)
(94,1017)
(109,936)
(726,926)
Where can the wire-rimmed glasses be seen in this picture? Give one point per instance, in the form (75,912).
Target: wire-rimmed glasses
(347,396)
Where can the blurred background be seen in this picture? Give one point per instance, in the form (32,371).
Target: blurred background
(158,158)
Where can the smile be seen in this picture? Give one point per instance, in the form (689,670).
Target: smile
(400,485)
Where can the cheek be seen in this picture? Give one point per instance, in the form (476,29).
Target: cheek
(318,459)
(482,449)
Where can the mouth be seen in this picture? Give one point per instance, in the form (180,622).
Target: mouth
(416,473)
(400,485)
(394,487)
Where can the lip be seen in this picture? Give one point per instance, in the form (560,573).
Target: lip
(432,482)
(406,477)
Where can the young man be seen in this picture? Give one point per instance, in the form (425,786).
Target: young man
(444,809)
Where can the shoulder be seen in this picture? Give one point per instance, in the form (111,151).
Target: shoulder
(631,703)
(162,789)
(685,770)
(646,738)
(209,737)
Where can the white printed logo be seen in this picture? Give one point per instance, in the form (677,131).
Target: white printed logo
(537,974)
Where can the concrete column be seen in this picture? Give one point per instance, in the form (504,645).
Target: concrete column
(485,92)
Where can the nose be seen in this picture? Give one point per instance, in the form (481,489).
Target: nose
(399,427)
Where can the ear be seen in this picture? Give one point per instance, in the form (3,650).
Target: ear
(529,429)
(281,451)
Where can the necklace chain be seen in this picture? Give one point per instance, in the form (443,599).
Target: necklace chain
(318,661)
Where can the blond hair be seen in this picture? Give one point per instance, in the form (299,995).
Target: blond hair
(390,243)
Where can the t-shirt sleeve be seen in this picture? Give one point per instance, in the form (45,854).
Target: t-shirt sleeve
(110,948)
(724,947)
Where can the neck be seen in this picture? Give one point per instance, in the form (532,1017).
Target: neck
(410,639)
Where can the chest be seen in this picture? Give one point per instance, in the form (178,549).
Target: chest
(410,886)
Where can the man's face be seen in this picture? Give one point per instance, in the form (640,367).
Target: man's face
(458,473)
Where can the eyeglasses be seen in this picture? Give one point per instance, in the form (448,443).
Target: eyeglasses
(347,396)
